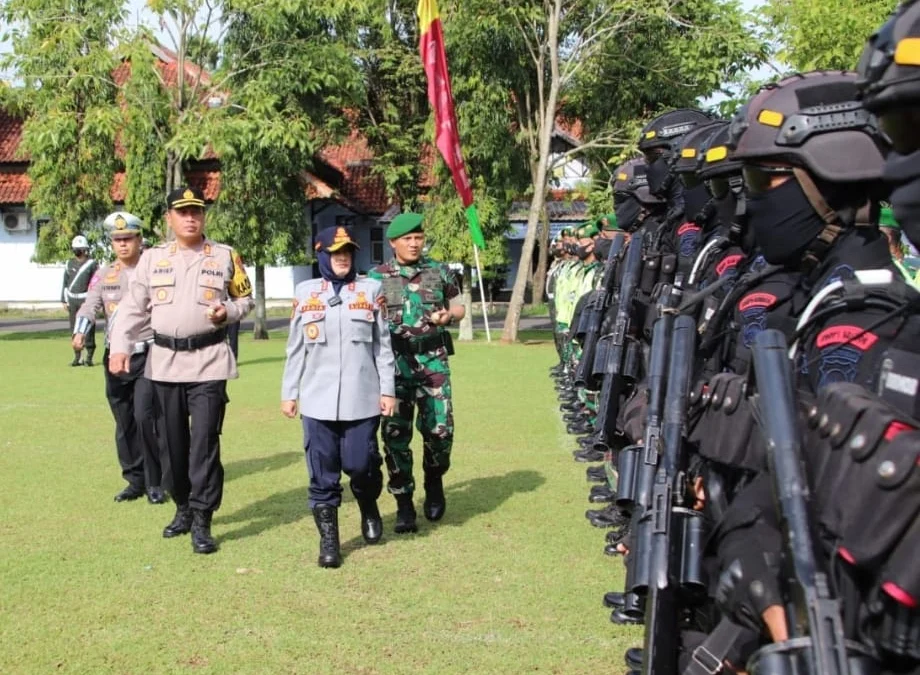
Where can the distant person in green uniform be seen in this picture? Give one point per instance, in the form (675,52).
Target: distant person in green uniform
(421,298)
(892,231)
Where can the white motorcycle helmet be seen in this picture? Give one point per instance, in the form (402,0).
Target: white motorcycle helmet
(79,242)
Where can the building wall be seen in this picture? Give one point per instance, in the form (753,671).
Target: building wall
(23,281)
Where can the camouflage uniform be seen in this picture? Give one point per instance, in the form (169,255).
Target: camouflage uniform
(412,293)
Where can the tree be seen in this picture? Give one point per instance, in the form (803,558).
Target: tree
(829,34)
(61,52)
(289,80)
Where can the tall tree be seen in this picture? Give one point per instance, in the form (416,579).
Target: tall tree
(61,52)
(289,80)
(828,34)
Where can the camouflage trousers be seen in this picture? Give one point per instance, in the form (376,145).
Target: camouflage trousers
(423,382)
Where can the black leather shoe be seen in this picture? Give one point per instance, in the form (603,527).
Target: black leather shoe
(155,495)
(571,406)
(586,441)
(608,517)
(613,600)
(76,362)
(405,515)
(588,455)
(129,494)
(202,541)
(612,550)
(617,536)
(181,522)
(601,494)
(580,427)
(371,523)
(633,658)
(326,518)
(435,503)
(621,618)
(596,474)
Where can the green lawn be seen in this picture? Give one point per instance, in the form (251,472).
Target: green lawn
(509,582)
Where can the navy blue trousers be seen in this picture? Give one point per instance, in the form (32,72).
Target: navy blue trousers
(336,446)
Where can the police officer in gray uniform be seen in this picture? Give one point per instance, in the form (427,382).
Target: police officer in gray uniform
(130,396)
(340,370)
(187,290)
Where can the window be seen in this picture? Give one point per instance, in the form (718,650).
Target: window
(376,245)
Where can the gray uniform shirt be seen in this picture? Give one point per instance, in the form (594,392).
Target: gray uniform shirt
(339,359)
(171,291)
(106,289)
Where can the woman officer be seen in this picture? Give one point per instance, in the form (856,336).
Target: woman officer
(340,370)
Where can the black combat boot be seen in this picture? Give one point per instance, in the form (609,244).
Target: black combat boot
(405,515)
(327,522)
(633,658)
(76,359)
(89,358)
(596,474)
(371,524)
(202,541)
(181,523)
(601,494)
(435,502)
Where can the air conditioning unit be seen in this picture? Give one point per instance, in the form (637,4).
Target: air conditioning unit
(17,222)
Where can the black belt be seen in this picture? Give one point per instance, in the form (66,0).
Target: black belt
(419,345)
(192,342)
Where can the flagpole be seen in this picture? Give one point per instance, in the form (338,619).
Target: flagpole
(482,292)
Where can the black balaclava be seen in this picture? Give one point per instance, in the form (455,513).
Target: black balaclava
(695,200)
(784,222)
(628,212)
(903,172)
(602,248)
(324,260)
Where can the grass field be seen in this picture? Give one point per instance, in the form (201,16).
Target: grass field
(509,582)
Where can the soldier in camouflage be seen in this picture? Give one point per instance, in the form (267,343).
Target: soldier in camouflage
(422,299)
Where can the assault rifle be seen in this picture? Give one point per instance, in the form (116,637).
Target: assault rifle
(594,315)
(817,645)
(619,353)
(675,532)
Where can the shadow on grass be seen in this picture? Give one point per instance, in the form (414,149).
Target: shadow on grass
(466,499)
(244,467)
(283,508)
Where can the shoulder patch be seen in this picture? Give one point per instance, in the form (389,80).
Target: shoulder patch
(239,286)
(854,335)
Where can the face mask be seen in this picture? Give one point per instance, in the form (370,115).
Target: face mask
(602,248)
(628,212)
(695,200)
(659,177)
(582,251)
(784,222)
(903,170)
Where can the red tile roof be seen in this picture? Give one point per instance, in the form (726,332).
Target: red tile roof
(208,181)
(10,136)
(14,187)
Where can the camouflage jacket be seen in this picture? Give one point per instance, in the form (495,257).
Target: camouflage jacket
(413,292)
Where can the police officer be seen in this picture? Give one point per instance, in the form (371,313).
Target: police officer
(130,396)
(77,275)
(422,299)
(187,290)
(340,368)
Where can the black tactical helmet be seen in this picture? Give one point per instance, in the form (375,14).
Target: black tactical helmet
(889,68)
(718,159)
(693,147)
(630,179)
(811,121)
(668,127)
